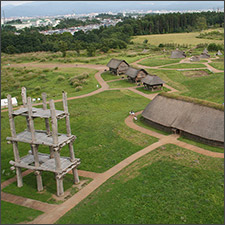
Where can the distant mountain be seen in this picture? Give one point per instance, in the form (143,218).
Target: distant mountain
(52,8)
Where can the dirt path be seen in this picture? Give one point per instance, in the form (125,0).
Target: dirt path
(54,212)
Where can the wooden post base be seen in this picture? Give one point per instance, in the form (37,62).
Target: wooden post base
(19,177)
(39,181)
(76,179)
(59,186)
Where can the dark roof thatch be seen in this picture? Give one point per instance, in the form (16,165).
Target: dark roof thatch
(204,55)
(152,80)
(132,72)
(178,54)
(205,51)
(198,120)
(114,63)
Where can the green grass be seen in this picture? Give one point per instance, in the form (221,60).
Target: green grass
(158,61)
(45,80)
(121,84)
(178,38)
(186,66)
(107,76)
(140,122)
(210,87)
(201,145)
(103,139)
(12,214)
(169,185)
(142,89)
(217,65)
(29,189)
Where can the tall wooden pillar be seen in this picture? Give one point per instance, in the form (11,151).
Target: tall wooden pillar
(15,144)
(59,181)
(47,123)
(34,147)
(68,129)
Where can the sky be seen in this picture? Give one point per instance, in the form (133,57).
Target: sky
(4,3)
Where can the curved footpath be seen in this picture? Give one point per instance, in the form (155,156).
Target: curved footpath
(53,212)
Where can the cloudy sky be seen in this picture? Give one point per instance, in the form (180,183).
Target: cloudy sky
(4,3)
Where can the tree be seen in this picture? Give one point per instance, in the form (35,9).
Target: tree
(201,23)
(63,47)
(91,49)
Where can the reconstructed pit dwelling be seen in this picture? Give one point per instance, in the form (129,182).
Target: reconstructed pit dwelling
(186,117)
(53,140)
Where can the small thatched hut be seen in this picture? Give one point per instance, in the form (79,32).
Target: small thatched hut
(192,120)
(177,54)
(117,66)
(194,59)
(152,82)
(204,56)
(135,75)
(205,51)
(219,53)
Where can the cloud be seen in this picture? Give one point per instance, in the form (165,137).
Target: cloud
(15,3)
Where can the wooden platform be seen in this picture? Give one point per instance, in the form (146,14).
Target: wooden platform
(39,112)
(47,163)
(42,138)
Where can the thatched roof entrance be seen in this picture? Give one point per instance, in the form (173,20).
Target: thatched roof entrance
(195,119)
(152,80)
(132,72)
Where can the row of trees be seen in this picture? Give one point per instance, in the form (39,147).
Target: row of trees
(105,38)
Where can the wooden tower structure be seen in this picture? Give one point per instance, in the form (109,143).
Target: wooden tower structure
(50,138)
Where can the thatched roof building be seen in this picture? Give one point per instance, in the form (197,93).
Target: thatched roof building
(177,54)
(204,56)
(192,120)
(219,53)
(117,66)
(152,81)
(194,59)
(205,51)
(135,75)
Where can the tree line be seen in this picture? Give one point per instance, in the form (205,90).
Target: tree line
(105,38)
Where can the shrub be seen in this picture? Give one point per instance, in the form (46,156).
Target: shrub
(43,60)
(214,47)
(56,68)
(76,84)
(60,78)
(78,88)
(161,45)
(83,81)
(46,70)
(37,88)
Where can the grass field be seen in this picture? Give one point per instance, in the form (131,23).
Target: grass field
(201,145)
(209,87)
(158,61)
(51,81)
(178,38)
(217,65)
(170,185)
(29,189)
(103,139)
(107,76)
(185,66)
(12,214)
(121,84)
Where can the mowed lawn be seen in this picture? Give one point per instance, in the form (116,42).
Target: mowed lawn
(208,87)
(156,61)
(52,81)
(178,38)
(103,139)
(170,185)
(185,66)
(12,214)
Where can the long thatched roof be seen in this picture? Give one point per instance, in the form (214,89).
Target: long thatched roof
(152,80)
(132,72)
(177,54)
(114,63)
(198,120)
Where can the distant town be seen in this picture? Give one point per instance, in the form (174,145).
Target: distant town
(53,21)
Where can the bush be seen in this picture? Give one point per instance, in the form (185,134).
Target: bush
(46,70)
(43,60)
(60,78)
(56,68)
(78,88)
(161,45)
(76,84)
(83,81)
(215,47)
(37,88)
